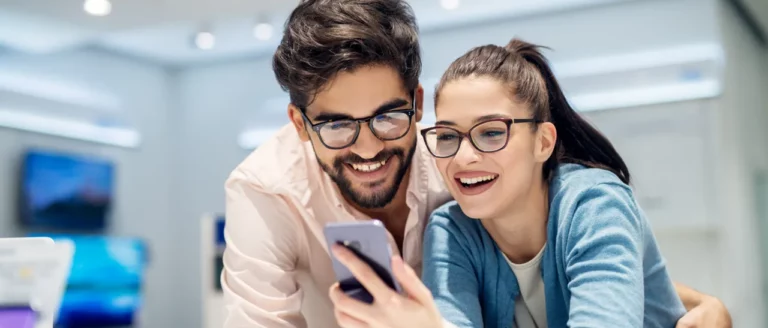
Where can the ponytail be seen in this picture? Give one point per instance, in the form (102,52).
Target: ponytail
(521,65)
(578,141)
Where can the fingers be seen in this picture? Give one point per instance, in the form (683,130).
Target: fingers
(346,321)
(350,307)
(690,320)
(364,274)
(686,322)
(410,282)
(685,325)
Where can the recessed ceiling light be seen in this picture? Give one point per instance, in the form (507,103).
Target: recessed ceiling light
(205,40)
(449,4)
(97,7)
(263,31)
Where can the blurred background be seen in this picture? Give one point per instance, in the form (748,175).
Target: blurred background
(120,121)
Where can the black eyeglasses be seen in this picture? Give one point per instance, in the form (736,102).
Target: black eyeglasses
(488,137)
(387,126)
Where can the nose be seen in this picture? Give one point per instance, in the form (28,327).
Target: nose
(467,154)
(367,144)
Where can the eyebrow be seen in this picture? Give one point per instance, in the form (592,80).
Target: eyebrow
(475,121)
(385,107)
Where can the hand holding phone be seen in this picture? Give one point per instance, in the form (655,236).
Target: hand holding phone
(368,241)
(381,275)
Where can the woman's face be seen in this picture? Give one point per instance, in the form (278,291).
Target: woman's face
(489,184)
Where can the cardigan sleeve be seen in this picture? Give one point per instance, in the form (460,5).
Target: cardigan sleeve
(449,275)
(604,260)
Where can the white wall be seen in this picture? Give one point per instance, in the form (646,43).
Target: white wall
(143,185)
(743,155)
(617,28)
(218,102)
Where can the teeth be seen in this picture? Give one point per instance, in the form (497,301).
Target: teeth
(470,181)
(368,167)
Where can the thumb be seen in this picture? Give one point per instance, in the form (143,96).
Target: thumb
(411,282)
(686,322)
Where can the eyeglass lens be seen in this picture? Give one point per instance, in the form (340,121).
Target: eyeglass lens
(487,137)
(386,126)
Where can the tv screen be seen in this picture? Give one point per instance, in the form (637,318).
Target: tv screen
(218,261)
(65,191)
(104,288)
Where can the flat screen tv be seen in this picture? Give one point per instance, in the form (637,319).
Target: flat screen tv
(105,284)
(65,191)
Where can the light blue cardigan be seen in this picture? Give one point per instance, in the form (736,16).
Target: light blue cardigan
(601,266)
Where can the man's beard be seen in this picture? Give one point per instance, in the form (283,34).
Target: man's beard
(367,200)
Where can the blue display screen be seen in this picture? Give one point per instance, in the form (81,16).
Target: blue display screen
(105,283)
(66,191)
(220,222)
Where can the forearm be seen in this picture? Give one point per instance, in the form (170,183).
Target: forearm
(690,297)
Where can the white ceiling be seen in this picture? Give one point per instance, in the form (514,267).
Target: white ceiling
(162,30)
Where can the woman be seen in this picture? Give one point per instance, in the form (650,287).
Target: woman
(544,232)
(558,239)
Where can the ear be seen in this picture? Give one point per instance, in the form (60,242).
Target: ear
(298,122)
(419,98)
(545,141)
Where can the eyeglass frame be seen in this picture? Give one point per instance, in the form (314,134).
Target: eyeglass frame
(468,134)
(368,119)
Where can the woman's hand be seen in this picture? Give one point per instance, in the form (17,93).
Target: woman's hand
(708,313)
(704,311)
(389,309)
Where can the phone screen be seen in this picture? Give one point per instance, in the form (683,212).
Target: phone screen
(354,288)
(368,241)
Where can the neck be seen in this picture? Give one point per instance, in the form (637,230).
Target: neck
(521,232)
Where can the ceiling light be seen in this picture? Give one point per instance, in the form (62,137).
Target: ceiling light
(645,96)
(97,7)
(205,40)
(449,4)
(69,128)
(263,31)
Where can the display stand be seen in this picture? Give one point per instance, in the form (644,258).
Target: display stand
(36,274)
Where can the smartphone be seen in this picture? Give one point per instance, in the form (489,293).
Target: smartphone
(368,240)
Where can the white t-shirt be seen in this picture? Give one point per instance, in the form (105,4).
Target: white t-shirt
(530,305)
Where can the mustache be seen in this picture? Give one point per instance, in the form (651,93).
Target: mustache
(356,159)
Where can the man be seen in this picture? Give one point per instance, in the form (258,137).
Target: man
(352,152)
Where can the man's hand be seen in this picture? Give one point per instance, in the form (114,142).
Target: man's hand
(389,309)
(704,311)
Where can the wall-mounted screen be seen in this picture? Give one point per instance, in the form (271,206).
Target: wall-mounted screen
(105,284)
(65,191)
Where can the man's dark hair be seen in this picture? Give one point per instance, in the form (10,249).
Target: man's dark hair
(325,37)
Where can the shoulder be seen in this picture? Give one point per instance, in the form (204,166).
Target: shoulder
(448,224)
(449,216)
(573,185)
(278,165)
(585,198)
(582,196)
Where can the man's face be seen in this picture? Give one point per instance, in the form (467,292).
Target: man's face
(368,172)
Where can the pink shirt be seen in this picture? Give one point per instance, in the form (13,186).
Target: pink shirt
(277,269)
